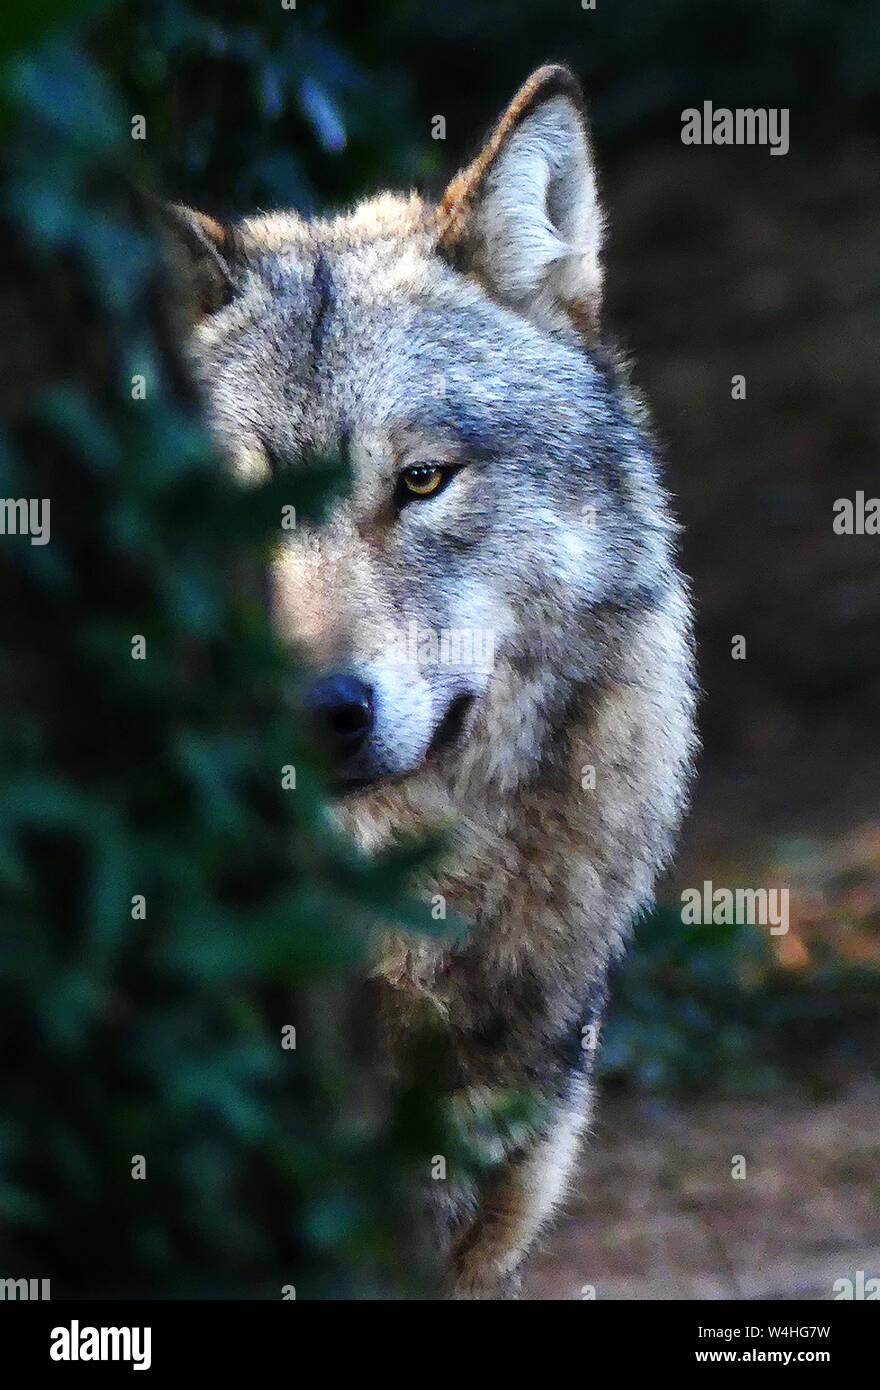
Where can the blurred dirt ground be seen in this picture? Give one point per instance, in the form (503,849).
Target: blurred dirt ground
(657,1213)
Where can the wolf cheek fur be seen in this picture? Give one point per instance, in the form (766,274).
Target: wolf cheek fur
(503,482)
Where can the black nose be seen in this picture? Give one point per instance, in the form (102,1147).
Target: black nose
(341,710)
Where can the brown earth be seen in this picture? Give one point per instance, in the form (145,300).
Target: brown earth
(657,1213)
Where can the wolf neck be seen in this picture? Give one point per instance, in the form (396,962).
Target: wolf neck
(560,871)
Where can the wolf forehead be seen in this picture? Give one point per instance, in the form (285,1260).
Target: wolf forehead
(380,254)
(364,318)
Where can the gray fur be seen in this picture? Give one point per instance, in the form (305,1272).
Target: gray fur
(405,333)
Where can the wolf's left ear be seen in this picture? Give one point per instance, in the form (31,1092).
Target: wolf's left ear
(524,216)
(201,252)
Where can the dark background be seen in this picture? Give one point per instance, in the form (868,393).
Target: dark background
(720,261)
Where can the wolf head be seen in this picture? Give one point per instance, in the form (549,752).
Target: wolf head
(504,529)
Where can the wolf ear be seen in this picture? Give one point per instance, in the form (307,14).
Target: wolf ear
(524,216)
(201,251)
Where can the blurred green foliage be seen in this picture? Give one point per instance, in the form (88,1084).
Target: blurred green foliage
(710,1008)
(157,784)
(250,105)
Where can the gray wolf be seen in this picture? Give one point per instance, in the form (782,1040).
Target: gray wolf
(504,484)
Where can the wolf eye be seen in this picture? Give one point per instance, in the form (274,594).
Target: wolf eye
(423,480)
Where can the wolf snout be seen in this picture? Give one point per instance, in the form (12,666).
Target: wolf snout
(340,710)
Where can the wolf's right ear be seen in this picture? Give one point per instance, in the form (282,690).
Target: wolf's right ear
(524,216)
(201,253)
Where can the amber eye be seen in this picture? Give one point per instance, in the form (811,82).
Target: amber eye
(422,481)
